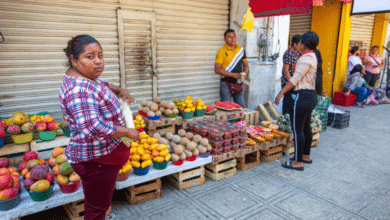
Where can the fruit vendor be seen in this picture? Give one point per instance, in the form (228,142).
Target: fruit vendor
(91,107)
(231,64)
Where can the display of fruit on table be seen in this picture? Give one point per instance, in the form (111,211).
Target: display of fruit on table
(139,122)
(199,105)
(227,105)
(157,107)
(9,183)
(61,169)
(140,151)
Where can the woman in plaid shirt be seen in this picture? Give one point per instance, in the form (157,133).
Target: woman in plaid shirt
(91,107)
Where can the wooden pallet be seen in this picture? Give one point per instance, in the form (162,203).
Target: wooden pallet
(248,161)
(75,210)
(272,150)
(144,192)
(44,148)
(161,130)
(268,111)
(221,170)
(9,149)
(315,143)
(251,117)
(188,178)
(184,125)
(288,150)
(271,157)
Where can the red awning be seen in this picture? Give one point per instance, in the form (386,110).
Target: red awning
(263,8)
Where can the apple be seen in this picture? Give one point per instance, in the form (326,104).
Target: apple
(40,126)
(52,126)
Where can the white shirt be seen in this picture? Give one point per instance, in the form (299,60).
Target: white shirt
(353,61)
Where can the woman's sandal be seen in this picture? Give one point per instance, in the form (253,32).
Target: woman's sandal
(360,105)
(289,165)
(303,161)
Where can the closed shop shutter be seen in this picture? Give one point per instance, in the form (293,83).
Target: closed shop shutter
(299,24)
(362,27)
(32,60)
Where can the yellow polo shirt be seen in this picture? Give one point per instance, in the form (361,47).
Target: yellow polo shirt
(226,54)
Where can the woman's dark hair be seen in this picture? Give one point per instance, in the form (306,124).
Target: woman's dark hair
(228,31)
(310,40)
(295,39)
(357,68)
(354,49)
(76,46)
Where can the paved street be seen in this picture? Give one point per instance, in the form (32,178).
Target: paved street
(349,179)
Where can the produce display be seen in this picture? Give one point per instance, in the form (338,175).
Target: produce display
(222,136)
(227,105)
(154,109)
(9,180)
(210,110)
(139,123)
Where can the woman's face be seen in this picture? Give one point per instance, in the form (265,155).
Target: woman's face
(301,47)
(90,62)
(374,50)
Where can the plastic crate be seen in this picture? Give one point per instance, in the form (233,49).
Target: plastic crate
(339,120)
(340,99)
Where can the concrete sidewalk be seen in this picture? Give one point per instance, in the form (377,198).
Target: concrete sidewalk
(349,179)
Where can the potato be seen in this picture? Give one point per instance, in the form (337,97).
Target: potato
(169,136)
(181,132)
(149,103)
(202,149)
(154,107)
(204,141)
(157,135)
(143,102)
(164,104)
(176,139)
(172,144)
(151,114)
(175,157)
(157,100)
(140,108)
(195,152)
(209,147)
(197,138)
(189,135)
(191,146)
(175,111)
(161,109)
(171,105)
(168,111)
(146,109)
(178,149)
(184,141)
(157,113)
(188,153)
(183,156)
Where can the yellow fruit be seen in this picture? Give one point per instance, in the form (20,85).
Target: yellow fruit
(146,163)
(159,159)
(135,157)
(146,146)
(193,109)
(120,171)
(162,147)
(143,141)
(187,110)
(143,126)
(199,108)
(145,157)
(204,107)
(133,150)
(155,153)
(138,117)
(135,164)
(140,150)
(143,135)
(168,157)
(164,153)
(134,144)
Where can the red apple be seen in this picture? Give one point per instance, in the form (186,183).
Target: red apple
(40,126)
(52,126)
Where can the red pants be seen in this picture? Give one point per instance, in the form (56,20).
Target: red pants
(98,184)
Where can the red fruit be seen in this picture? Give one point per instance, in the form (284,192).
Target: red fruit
(50,177)
(3,124)
(2,132)
(4,162)
(52,162)
(4,171)
(14,130)
(22,166)
(52,126)
(6,181)
(17,185)
(28,182)
(16,178)
(48,118)
(12,169)
(8,194)
(42,161)
(25,171)
(40,126)
(30,155)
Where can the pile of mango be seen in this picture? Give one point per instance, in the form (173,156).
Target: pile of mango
(139,122)
(140,151)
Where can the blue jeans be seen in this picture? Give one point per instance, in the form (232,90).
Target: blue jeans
(362,93)
(227,95)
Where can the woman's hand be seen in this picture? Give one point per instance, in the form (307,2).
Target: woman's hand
(126,96)
(347,93)
(133,134)
(278,98)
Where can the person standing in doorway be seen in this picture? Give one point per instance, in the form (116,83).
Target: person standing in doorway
(290,58)
(231,64)
(373,63)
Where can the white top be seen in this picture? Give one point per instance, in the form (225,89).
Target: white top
(353,61)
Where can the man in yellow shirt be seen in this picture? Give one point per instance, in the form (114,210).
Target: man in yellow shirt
(231,64)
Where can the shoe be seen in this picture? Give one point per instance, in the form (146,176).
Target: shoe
(289,165)
(303,161)
(360,105)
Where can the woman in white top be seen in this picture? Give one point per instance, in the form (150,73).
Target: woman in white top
(354,59)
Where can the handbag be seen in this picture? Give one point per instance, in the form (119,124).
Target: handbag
(234,87)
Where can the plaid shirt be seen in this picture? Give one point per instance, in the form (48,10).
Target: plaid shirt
(93,113)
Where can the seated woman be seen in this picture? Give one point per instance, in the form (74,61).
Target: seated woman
(355,84)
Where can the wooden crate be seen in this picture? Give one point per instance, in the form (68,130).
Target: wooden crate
(162,122)
(184,125)
(15,159)
(315,143)
(268,111)
(288,150)
(161,130)
(188,178)
(251,117)
(221,170)
(271,157)
(248,161)
(9,149)
(229,115)
(144,192)
(272,150)
(225,156)
(44,148)
(75,210)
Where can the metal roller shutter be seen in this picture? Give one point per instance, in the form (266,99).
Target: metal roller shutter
(32,60)
(362,27)
(299,24)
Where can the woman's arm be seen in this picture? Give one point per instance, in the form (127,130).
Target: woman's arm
(285,89)
(121,93)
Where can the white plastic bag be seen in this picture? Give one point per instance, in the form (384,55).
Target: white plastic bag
(128,115)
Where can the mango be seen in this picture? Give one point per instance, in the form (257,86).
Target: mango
(74,177)
(8,194)
(40,186)
(146,163)
(60,159)
(61,179)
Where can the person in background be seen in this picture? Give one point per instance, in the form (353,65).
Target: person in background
(373,63)
(91,107)
(305,99)
(290,58)
(231,64)
(357,85)
(354,59)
